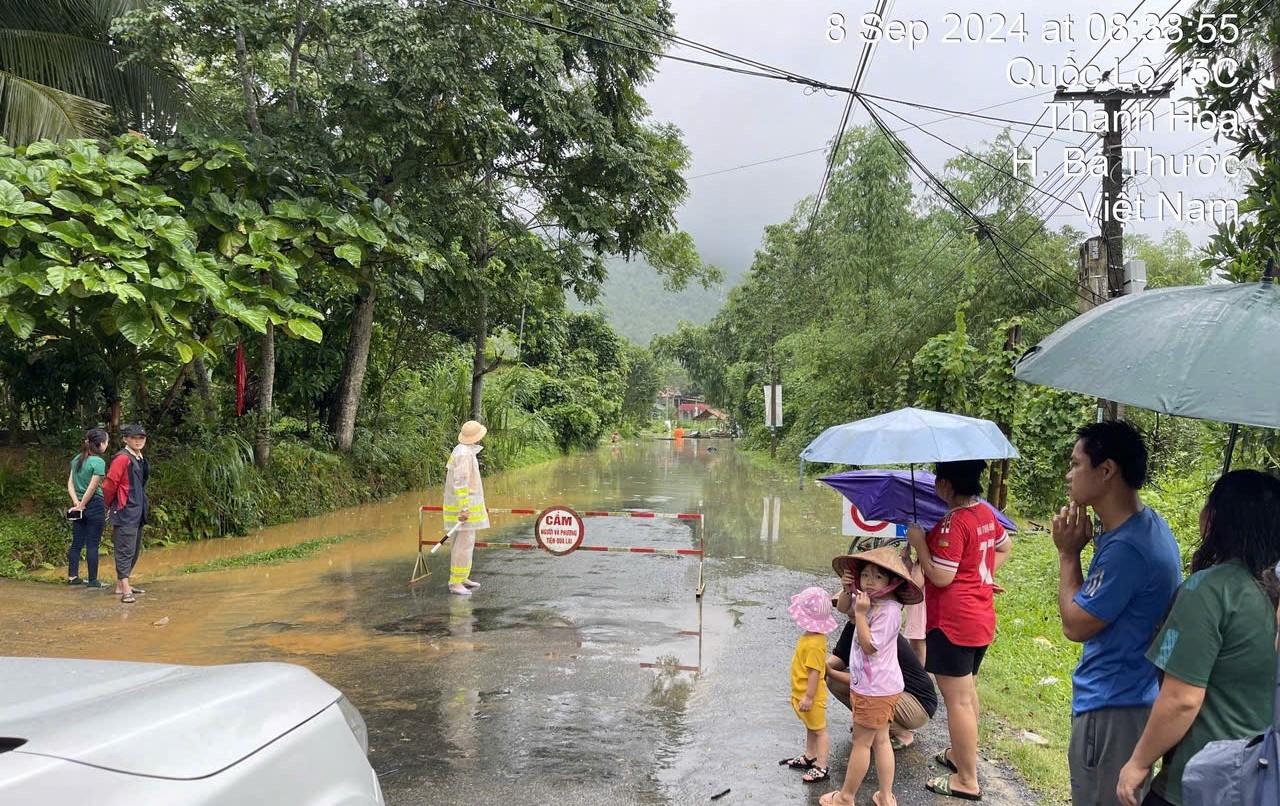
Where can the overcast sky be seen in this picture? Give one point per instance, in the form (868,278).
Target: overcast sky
(730,120)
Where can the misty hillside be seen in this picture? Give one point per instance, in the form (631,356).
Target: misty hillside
(639,307)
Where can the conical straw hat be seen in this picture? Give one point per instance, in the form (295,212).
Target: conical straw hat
(888,558)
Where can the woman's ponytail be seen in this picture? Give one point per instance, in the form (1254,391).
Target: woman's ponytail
(92,439)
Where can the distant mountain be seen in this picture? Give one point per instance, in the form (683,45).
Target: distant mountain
(638,307)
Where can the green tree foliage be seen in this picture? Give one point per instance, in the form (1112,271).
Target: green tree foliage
(1170,261)
(643,381)
(1239,68)
(93,243)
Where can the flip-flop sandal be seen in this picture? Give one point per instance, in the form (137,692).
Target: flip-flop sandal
(815,774)
(897,744)
(829,799)
(942,786)
(799,762)
(127,599)
(944,758)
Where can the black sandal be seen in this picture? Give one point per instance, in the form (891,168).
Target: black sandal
(815,774)
(801,762)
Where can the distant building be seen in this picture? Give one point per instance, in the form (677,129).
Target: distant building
(690,410)
(712,415)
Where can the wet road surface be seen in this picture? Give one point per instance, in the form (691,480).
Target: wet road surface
(533,690)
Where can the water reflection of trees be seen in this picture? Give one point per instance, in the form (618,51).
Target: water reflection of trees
(728,487)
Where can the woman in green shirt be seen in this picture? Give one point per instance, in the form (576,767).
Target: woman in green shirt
(84,487)
(1216,648)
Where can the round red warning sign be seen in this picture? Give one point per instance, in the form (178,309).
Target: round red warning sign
(559,530)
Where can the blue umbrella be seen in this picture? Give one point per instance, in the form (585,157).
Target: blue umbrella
(887,495)
(906,437)
(910,436)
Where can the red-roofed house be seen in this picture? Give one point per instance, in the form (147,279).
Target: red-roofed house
(691,410)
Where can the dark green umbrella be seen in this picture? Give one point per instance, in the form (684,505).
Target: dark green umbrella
(1211,352)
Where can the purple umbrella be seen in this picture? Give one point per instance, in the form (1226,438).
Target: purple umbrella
(886,495)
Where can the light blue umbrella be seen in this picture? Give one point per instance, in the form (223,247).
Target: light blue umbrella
(1210,351)
(910,436)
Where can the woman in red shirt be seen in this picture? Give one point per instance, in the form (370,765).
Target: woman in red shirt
(959,557)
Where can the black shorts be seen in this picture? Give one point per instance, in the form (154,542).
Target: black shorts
(948,659)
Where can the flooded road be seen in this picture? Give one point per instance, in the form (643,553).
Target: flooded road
(541,688)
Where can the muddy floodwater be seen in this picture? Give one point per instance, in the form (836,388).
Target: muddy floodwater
(564,680)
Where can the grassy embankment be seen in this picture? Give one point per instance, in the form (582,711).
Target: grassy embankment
(1025,683)
(275,556)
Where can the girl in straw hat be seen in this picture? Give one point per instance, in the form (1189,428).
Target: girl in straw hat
(877,584)
(464,506)
(811,611)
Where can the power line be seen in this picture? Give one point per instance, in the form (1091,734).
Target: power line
(607,14)
(777,76)
(864,61)
(981,118)
(948,234)
(946,142)
(930,179)
(953,113)
(761,162)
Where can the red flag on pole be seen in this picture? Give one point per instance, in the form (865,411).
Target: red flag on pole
(240,378)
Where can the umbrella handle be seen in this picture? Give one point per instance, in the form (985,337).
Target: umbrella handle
(914,516)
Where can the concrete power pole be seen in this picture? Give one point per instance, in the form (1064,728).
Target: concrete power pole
(1112,101)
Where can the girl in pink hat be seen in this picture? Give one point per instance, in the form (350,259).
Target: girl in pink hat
(811,610)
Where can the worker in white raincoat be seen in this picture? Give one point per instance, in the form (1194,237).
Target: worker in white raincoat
(464,506)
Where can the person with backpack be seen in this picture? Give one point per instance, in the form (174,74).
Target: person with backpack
(1238,772)
(125,489)
(1217,647)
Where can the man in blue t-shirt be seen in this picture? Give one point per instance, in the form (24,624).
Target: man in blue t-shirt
(1115,611)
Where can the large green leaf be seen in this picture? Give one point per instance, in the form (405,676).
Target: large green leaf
(56,251)
(20,322)
(10,196)
(350,253)
(135,323)
(231,242)
(211,282)
(72,232)
(255,318)
(306,329)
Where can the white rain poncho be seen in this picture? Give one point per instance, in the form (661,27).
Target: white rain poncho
(463,489)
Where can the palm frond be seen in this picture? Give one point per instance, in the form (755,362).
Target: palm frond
(141,95)
(90,17)
(31,111)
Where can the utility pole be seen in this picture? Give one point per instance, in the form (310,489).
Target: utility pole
(1113,182)
(774,413)
(1112,101)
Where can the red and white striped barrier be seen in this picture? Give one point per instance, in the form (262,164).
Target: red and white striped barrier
(696,517)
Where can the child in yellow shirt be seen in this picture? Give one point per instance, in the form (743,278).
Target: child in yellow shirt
(811,611)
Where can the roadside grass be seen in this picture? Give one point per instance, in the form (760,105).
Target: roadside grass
(275,556)
(1025,682)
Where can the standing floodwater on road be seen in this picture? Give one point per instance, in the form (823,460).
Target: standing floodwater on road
(557,682)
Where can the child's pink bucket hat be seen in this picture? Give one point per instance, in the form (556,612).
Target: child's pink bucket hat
(811,610)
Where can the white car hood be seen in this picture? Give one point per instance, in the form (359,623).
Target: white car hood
(163,721)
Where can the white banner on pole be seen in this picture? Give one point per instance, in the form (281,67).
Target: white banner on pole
(773,406)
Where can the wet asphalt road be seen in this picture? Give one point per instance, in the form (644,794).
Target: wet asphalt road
(538,696)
